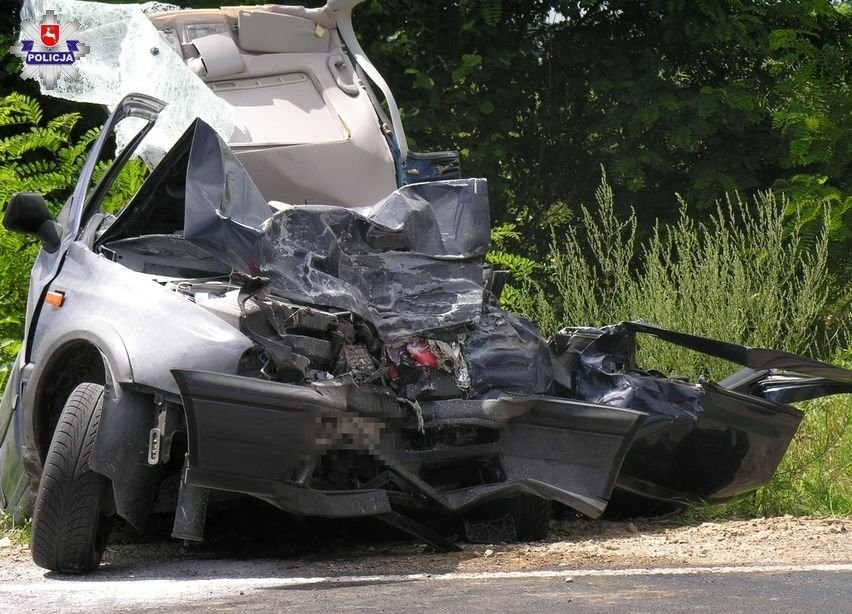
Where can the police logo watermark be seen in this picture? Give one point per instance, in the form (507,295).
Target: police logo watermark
(49,50)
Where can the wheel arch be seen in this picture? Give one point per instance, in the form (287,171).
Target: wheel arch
(92,352)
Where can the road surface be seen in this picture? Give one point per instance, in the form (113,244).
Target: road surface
(762,565)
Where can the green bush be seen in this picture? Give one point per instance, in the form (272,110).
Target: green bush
(741,277)
(35,156)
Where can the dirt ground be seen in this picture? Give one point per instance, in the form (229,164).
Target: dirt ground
(574,544)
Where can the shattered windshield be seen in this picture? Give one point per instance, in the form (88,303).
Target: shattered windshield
(128,55)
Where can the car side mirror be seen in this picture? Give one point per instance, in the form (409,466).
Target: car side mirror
(27,213)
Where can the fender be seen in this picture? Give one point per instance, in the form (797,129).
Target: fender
(97,333)
(127,417)
(110,301)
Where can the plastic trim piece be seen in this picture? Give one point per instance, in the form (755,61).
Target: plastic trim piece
(343,12)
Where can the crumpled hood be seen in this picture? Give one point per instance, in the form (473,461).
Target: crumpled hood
(409,264)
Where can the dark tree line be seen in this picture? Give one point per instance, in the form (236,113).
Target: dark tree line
(697,98)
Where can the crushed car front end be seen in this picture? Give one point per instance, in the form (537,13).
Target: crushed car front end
(346,450)
(381,377)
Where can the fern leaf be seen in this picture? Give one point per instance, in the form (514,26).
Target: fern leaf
(491,11)
(64,124)
(25,107)
(72,157)
(522,269)
(37,138)
(36,167)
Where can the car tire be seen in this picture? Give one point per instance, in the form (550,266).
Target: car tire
(69,530)
(531,515)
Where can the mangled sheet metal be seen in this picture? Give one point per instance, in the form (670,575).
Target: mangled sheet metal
(412,267)
(410,264)
(442,396)
(701,441)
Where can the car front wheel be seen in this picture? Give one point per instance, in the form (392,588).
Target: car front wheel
(69,530)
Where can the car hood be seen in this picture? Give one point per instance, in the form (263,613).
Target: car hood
(410,264)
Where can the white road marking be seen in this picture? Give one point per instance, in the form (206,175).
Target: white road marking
(91,589)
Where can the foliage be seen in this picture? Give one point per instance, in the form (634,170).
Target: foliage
(522,269)
(739,277)
(467,75)
(18,534)
(124,186)
(813,113)
(39,156)
(36,155)
(44,156)
(524,293)
(696,98)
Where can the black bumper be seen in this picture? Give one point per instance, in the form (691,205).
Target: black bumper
(731,448)
(701,441)
(266,439)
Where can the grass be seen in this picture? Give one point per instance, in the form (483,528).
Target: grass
(18,534)
(742,276)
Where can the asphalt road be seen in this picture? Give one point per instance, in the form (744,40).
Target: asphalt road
(223,585)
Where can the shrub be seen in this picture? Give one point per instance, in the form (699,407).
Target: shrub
(35,156)
(740,277)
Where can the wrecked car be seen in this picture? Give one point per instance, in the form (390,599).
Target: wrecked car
(300,312)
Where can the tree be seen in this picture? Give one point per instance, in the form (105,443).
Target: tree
(671,96)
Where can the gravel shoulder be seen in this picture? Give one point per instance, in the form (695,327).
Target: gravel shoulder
(576,544)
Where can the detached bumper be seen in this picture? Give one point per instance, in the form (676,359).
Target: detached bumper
(272,441)
(732,447)
(702,441)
